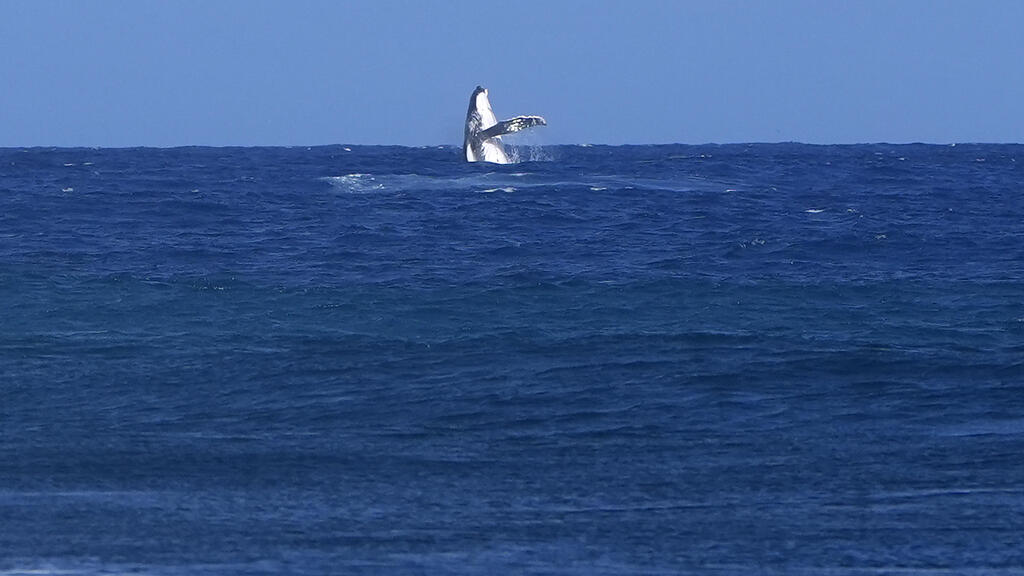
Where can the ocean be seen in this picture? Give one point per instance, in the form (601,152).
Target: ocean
(715,359)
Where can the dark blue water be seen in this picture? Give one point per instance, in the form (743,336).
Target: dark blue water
(747,359)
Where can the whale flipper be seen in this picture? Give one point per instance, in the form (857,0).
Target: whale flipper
(483,131)
(513,125)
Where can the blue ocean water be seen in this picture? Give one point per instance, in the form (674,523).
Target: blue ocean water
(742,359)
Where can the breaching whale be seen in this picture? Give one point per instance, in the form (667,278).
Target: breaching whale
(483,131)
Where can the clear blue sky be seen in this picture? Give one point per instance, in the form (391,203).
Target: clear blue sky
(226,72)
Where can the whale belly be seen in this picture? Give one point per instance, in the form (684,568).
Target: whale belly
(494,151)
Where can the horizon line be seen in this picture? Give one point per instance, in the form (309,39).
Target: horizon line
(457,146)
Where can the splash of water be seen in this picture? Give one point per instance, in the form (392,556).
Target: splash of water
(527,153)
(526,147)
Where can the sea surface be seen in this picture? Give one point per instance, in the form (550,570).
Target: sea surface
(723,360)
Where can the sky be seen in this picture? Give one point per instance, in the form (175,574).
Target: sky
(304,72)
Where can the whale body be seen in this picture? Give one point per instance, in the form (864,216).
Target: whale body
(483,131)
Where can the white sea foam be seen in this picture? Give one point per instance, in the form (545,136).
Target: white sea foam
(79,571)
(356,183)
(814,210)
(35,572)
(364,183)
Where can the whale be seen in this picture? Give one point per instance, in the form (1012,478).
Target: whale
(483,131)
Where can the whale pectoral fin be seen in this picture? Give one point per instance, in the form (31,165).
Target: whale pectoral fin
(513,125)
